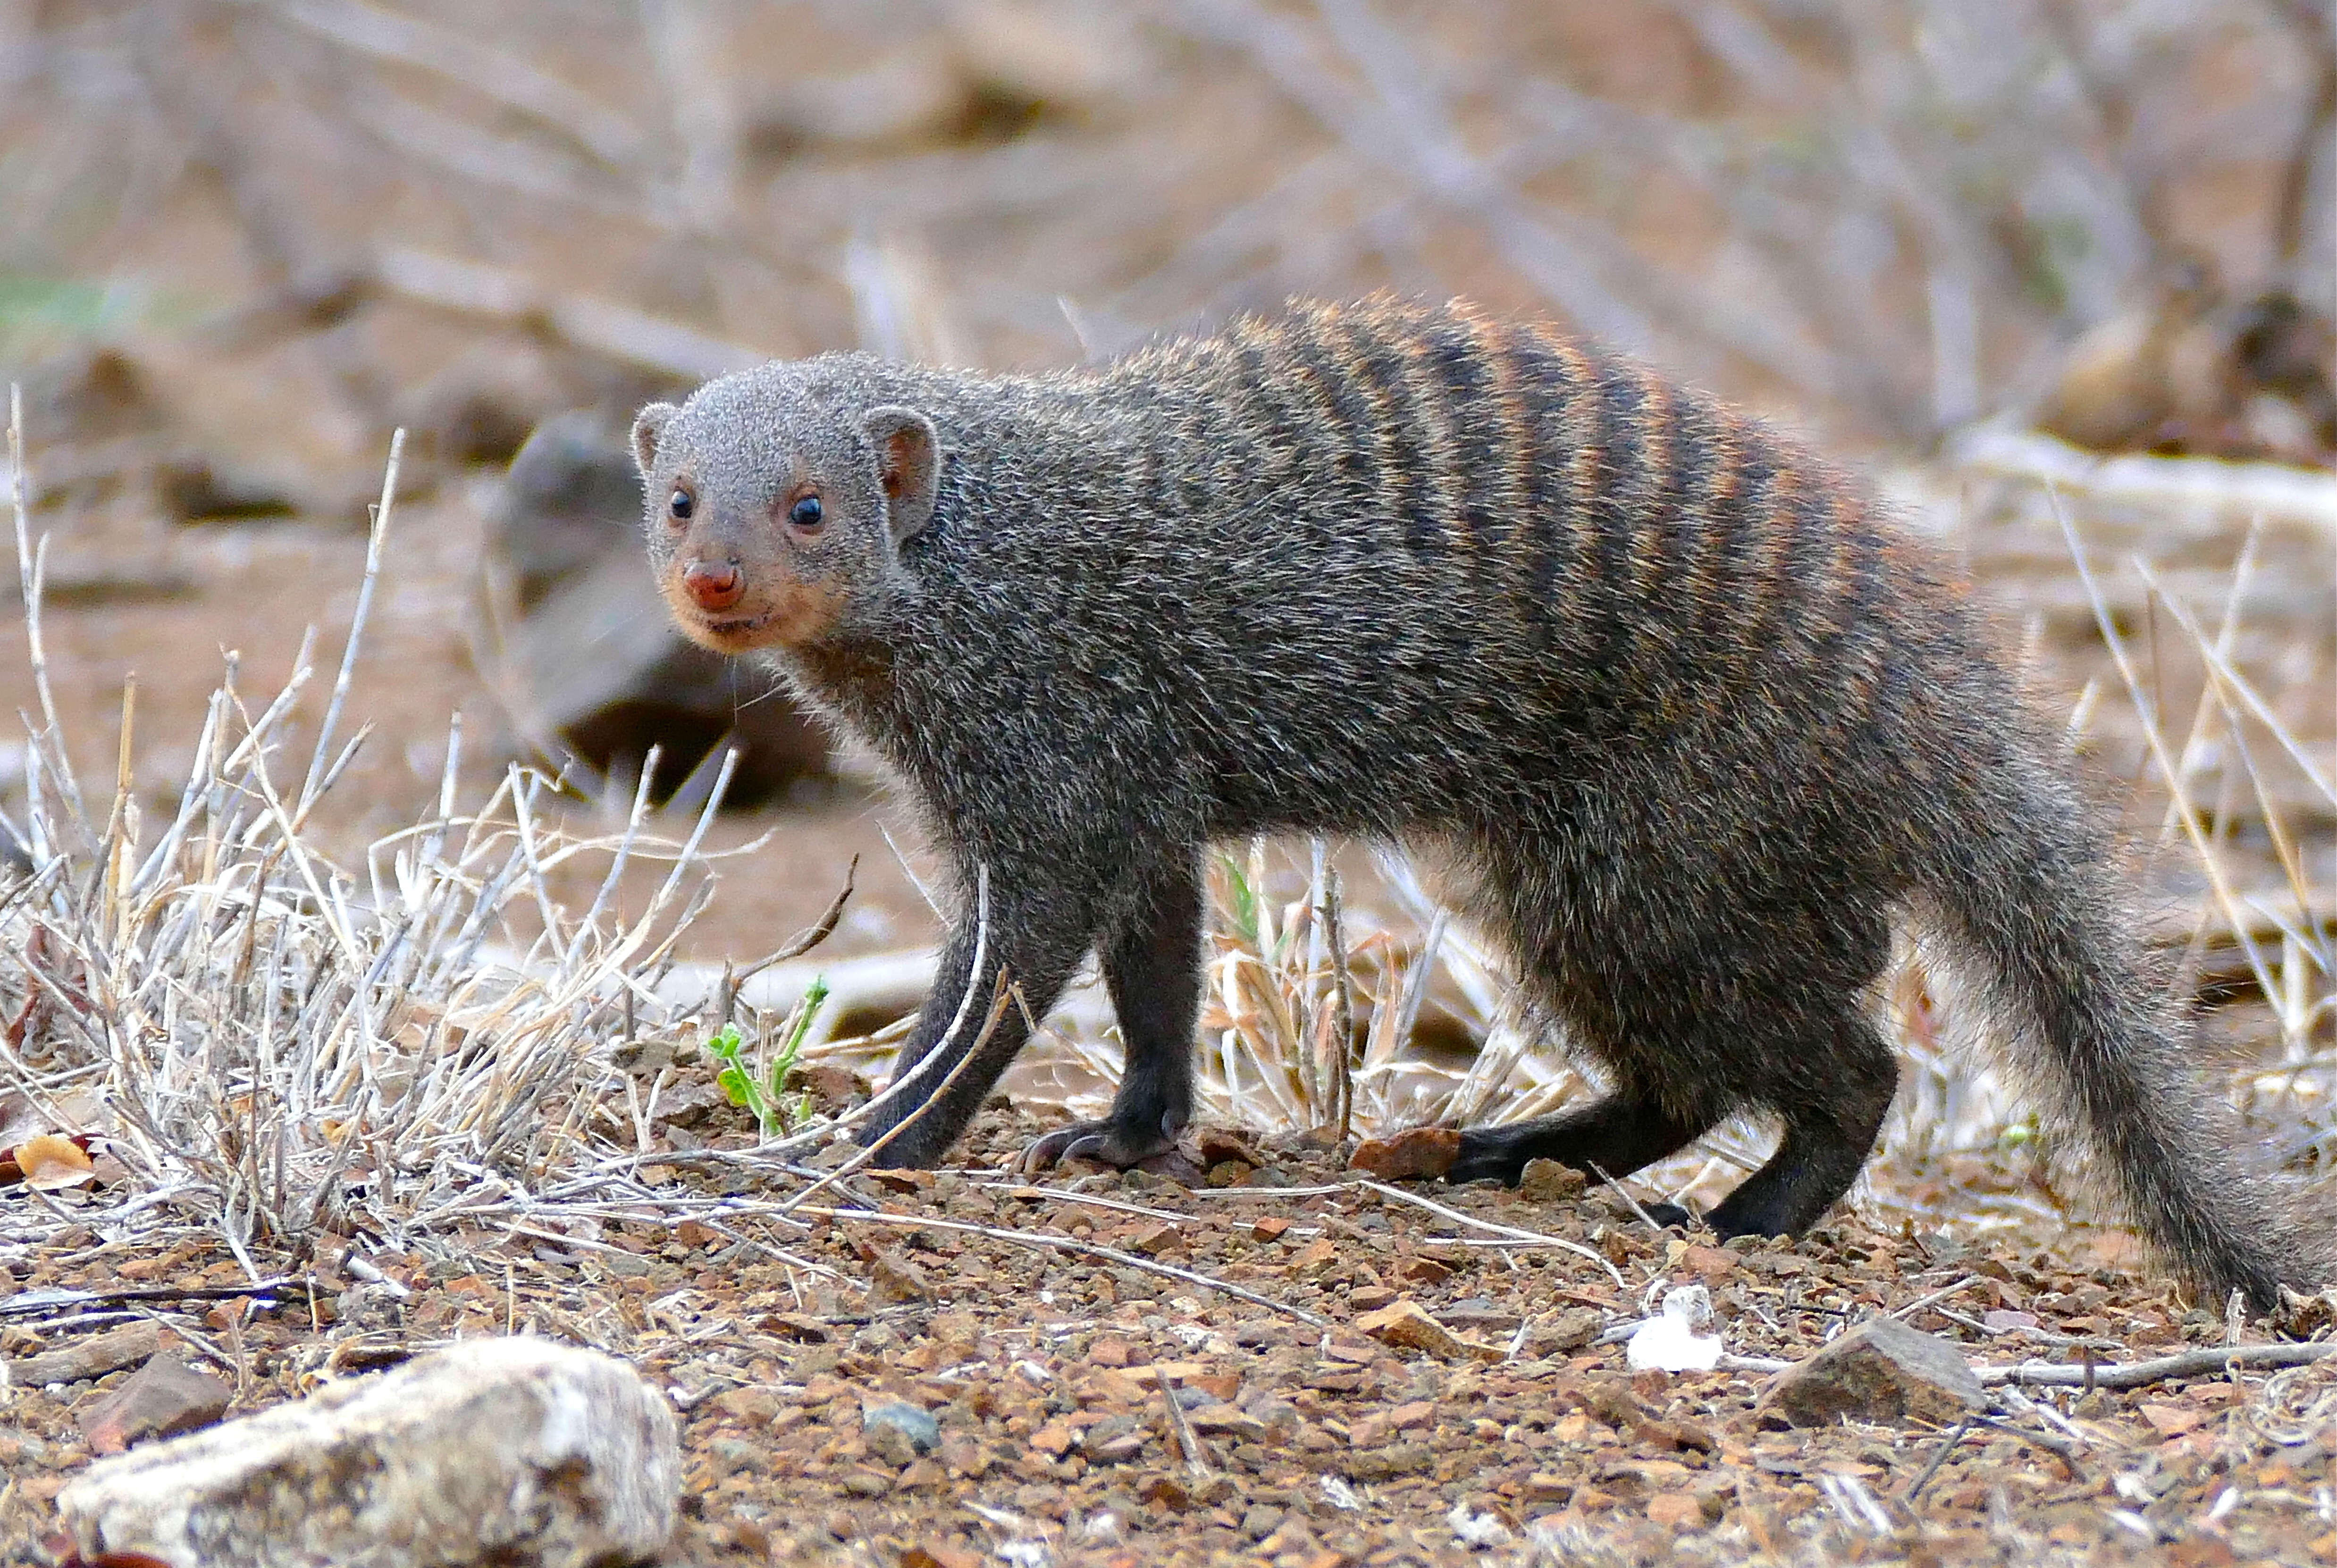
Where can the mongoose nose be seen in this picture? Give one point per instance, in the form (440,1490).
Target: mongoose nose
(714,584)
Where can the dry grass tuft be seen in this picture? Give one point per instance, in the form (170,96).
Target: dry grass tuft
(284,1046)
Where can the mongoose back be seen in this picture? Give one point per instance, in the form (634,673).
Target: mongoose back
(1695,718)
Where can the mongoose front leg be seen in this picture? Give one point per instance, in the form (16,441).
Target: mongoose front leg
(1038,930)
(1152,967)
(1617,1134)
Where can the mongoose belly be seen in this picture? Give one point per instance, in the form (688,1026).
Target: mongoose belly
(1694,715)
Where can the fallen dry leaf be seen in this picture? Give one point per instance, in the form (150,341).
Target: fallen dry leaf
(49,1161)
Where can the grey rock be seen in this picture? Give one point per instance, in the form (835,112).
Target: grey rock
(1881,1371)
(160,1399)
(1260,1520)
(1221,1420)
(517,1452)
(1114,1440)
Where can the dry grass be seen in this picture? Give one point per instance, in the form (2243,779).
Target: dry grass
(283,1046)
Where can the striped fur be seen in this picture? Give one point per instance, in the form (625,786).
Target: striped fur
(1696,719)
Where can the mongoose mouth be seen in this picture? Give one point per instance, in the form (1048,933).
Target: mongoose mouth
(794,615)
(735,631)
(729,633)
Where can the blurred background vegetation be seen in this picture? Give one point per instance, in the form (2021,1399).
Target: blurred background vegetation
(1888,218)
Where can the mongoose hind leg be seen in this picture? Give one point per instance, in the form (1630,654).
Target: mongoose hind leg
(1827,1138)
(1152,967)
(1618,1134)
(1749,1000)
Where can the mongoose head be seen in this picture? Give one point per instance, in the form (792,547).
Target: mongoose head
(777,502)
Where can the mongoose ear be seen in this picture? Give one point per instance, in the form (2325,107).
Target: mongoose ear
(908,463)
(647,427)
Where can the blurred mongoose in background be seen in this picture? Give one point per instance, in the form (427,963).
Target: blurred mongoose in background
(1694,719)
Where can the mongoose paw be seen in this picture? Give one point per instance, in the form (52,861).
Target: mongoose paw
(905,1153)
(1666,1215)
(1104,1143)
(1486,1156)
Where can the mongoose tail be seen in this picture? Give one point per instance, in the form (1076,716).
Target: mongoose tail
(2029,899)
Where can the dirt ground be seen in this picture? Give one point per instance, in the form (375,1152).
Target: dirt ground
(1046,1329)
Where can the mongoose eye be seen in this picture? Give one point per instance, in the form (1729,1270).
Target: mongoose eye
(681,505)
(806,514)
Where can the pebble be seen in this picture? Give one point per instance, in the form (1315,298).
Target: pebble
(160,1399)
(898,1433)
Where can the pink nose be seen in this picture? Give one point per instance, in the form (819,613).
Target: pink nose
(714,584)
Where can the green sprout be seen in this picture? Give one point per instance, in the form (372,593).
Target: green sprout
(1248,914)
(1241,899)
(764,1095)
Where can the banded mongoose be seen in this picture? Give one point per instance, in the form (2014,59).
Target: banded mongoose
(1695,717)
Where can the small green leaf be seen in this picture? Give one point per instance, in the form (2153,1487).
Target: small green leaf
(737,1084)
(1242,897)
(798,1029)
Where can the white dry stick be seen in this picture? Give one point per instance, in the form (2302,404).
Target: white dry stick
(31,568)
(2196,749)
(1511,1233)
(2209,863)
(312,785)
(617,864)
(681,864)
(2234,686)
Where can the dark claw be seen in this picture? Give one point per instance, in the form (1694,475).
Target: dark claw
(1482,1168)
(1099,1143)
